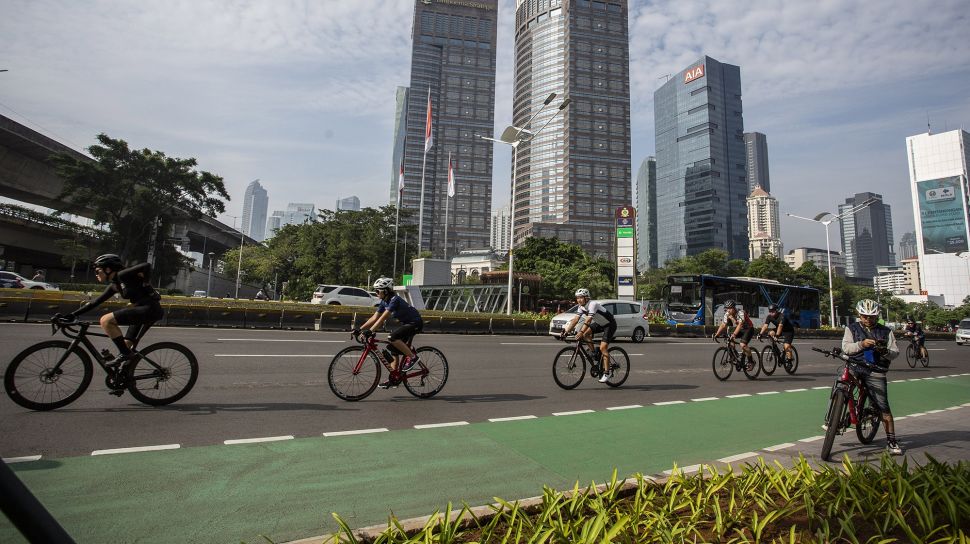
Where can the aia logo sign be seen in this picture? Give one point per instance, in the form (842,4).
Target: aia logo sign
(696,72)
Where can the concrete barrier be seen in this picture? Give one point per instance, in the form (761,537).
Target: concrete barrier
(455,325)
(14,309)
(298,319)
(227,316)
(432,324)
(526,327)
(478,325)
(186,316)
(263,318)
(501,325)
(42,310)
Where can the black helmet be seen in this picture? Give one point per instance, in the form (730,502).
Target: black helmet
(772,307)
(909,319)
(109,260)
(728,304)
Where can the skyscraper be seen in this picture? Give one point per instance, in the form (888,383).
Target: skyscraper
(938,180)
(570,178)
(453,56)
(400,133)
(702,188)
(646,194)
(907,246)
(501,223)
(298,213)
(756,160)
(274,223)
(867,236)
(255,204)
(764,230)
(351,203)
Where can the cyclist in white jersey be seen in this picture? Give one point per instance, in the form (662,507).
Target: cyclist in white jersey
(597,320)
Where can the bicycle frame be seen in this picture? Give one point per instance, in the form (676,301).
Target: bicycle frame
(80,337)
(855,392)
(371,346)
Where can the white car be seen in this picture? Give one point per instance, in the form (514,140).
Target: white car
(28,284)
(342,295)
(630,321)
(963,332)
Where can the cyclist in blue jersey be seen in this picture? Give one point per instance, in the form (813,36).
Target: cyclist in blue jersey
(914,330)
(411,324)
(597,320)
(780,327)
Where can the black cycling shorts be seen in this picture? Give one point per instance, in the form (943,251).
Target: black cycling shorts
(139,318)
(609,331)
(405,332)
(788,337)
(745,335)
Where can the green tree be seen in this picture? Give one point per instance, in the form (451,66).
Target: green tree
(127,189)
(564,267)
(770,267)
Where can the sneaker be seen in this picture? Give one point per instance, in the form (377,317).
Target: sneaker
(893,448)
(606,377)
(392,381)
(825,426)
(409,363)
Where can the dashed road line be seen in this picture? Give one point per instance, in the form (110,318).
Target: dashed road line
(136,449)
(513,418)
(281,340)
(933,411)
(357,431)
(257,440)
(627,407)
(703,399)
(669,402)
(777,447)
(739,395)
(795,390)
(436,425)
(573,413)
(769,392)
(953,408)
(917,414)
(821,387)
(274,355)
(684,470)
(812,438)
(24,459)
(738,457)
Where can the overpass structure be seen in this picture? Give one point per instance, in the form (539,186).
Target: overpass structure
(27,176)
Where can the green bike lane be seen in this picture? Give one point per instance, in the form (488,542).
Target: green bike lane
(287,490)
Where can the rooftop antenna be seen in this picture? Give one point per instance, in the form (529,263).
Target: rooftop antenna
(665,77)
(929,132)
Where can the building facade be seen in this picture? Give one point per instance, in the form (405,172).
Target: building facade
(907,246)
(453,68)
(400,137)
(255,205)
(274,223)
(867,235)
(764,229)
(756,161)
(571,177)
(795,258)
(891,279)
(702,186)
(911,268)
(351,203)
(297,213)
(501,224)
(646,195)
(938,170)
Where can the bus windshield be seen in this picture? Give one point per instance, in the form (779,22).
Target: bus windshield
(683,297)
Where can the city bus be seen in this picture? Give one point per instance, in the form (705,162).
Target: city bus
(698,299)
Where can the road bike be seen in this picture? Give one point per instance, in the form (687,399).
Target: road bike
(728,359)
(774,355)
(849,405)
(913,353)
(55,373)
(569,366)
(355,371)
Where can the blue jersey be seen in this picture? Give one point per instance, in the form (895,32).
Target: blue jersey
(401,310)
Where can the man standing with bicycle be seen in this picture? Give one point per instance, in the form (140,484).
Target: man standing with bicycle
(593,311)
(870,347)
(743,328)
(781,327)
(400,338)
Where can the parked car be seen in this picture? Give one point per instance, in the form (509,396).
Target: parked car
(199,294)
(963,332)
(10,283)
(342,295)
(630,321)
(28,284)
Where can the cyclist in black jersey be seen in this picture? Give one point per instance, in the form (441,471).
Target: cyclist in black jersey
(134,285)
(781,327)
(742,324)
(914,330)
(598,320)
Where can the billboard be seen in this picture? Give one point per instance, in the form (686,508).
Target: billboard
(942,215)
(625,221)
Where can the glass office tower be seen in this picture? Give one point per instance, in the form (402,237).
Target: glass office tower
(867,236)
(756,157)
(453,55)
(400,134)
(647,214)
(701,182)
(255,205)
(571,177)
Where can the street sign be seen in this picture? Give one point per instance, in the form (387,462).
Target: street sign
(626,251)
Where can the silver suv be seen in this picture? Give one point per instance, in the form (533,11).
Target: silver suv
(963,332)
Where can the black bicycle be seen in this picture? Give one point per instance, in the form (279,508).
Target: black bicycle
(773,356)
(914,353)
(569,366)
(55,373)
(728,359)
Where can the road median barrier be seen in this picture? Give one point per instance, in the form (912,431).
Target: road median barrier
(14,309)
(688,331)
(263,318)
(302,319)
(42,310)
(227,316)
(178,315)
(501,325)
(454,325)
(432,324)
(526,327)
(477,325)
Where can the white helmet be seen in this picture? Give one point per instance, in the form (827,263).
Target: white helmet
(383,283)
(867,306)
(582,293)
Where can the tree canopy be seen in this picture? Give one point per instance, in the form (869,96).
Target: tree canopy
(564,267)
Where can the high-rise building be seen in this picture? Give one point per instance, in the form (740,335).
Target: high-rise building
(764,229)
(453,70)
(891,279)
(646,194)
(570,178)
(400,133)
(911,268)
(867,235)
(702,187)
(756,160)
(298,213)
(907,246)
(351,203)
(274,223)
(795,258)
(255,204)
(938,180)
(501,223)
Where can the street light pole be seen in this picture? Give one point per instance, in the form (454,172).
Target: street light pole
(208,284)
(242,237)
(368,279)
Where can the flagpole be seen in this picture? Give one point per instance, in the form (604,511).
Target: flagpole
(397,223)
(447,204)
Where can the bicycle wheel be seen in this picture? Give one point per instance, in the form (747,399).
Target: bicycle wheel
(925,361)
(836,413)
(426,381)
(350,385)
(35,381)
(869,419)
(911,356)
(769,362)
(568,368)
(791,366)
(722,363)
(755,369)
(164,373)
(619,365)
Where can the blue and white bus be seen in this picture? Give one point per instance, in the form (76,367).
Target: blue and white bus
(698,299)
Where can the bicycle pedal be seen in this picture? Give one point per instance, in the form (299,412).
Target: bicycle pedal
(117,392)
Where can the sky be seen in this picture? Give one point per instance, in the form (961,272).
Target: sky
(300,93)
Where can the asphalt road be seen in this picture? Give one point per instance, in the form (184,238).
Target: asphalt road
(261,383)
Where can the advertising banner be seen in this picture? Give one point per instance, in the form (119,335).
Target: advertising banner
(943,215)
(625,223)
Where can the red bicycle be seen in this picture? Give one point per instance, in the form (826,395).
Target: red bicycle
(355,371)
(849,406)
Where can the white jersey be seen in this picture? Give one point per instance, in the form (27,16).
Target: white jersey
(594,312)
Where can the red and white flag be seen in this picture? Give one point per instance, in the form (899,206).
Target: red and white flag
(451,178)
(428,141)
(400,180)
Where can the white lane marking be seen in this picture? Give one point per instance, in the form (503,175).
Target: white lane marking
(896,381)
(281,340)
(738,457)
(953,408)
(821,387)
(935,349)
(257,440)
(24,459)
(665,403)
(738,396)
(934,411)
(965,404)
(436,425)
(573,413)
(632,354)
(917,414)
(625,407)
(812,438)
(898,418)
(357,431)
(689,343)
(528,343)
(513,418)
(684,470)
(777,447)
(136,450)
(795,390)
(263,355)
(769,392)
(703,399)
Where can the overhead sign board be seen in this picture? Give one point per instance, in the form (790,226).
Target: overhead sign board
(691,74)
